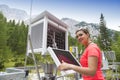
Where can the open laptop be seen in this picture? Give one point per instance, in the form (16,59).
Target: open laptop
(58,55)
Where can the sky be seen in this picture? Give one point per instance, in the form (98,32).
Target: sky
(80,10)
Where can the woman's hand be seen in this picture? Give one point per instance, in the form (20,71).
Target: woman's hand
(64,66)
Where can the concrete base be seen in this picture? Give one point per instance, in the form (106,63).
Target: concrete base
(13,74)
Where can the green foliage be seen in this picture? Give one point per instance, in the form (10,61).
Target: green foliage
(47,59)
(13,39)
(18,38)
(30,61)
(2,60)
(2,34)
(116,45)
(19,64)
(19,61)
(104,37)
(110,75)
(71,41)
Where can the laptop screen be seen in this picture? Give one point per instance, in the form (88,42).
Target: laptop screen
(66,56)
(59,54)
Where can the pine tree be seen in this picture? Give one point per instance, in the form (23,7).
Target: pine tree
(2,33)
(103,39)
(17,38)
(2,40)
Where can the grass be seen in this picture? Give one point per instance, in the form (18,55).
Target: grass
(109,75)
(9,64)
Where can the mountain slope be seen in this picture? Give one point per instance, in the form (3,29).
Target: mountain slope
(13,14)
(74,25)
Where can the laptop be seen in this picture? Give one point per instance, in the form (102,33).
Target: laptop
(58,55)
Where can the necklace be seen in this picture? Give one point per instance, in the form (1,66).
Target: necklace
(88,43)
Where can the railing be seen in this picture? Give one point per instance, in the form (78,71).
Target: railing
(116,63)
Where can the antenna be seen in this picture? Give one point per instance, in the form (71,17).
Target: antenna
(31,46)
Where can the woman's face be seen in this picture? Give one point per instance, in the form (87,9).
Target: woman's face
(82,37)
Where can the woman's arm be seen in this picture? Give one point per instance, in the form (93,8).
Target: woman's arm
(90,70)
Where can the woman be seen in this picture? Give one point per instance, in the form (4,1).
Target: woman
(91,59)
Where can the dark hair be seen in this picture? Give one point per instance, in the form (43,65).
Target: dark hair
(84,29)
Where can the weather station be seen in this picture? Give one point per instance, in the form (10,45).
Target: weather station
(46,30)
